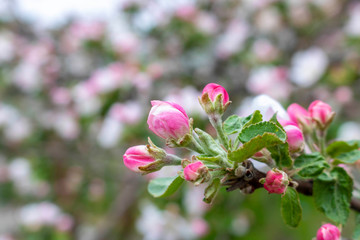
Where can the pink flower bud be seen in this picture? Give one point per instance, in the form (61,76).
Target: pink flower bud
(295,138)
(298,114)
(192,172)
(276,181)
(328,232)
(321,113)
(168,120)
(137,156)
(214,90)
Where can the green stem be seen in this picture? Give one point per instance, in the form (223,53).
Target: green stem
(322,140)
(195,146)
(172,160)
(310,143)
(216,121)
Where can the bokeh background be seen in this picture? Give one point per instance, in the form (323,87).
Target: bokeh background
(76,80)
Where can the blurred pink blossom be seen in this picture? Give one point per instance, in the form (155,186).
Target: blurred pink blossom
(272,81)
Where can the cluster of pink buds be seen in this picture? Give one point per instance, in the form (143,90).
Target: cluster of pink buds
(228,161)
(318,113)
(328,232)
(169,121)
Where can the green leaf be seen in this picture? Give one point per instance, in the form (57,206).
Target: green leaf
(356,235)
(259,129)
(291,210)
(254,118)
(210,160)
(163,187)
(210,146)
(235,123)
(311,165)
(339,147)
(332,194)
(274,120)
(211,190)
(348,157)
(232,124)
(251,147)
(280,153)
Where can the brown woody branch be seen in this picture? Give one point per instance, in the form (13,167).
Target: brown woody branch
(250,182)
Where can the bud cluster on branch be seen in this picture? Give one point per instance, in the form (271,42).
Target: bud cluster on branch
(294,148)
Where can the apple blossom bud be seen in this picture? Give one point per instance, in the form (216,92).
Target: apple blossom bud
(328,232)
(196,171)
(214,99)
(295,138)
(276,181)
(168,120)
(137,156)
(321,113)
(299,115)
(214,90)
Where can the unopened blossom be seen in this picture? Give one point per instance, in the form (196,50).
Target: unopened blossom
(193,171)
(137,156)
(321,113)
(168,120)
(298,114)
(295,138)
(308,66)
(213,90)
(276,181)
(328,232)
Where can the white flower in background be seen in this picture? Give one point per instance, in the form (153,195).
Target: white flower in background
(81,31)
(168,224)
(264,50)
(16,127)
(19,170)
(86,101)
(112,127)
(110,132)
(20,173)
(37,215)
(187,97)
(27,77)
(142,81)
(194,204)
(268,20)
(60,96)
(349,131)
(265,104)
(107,79)
(308,66)
(352,27)
(7,48)
(232,41)
(129,112)
(269,80)
(240,225)
(206,23)
(126,43)
(66,125)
